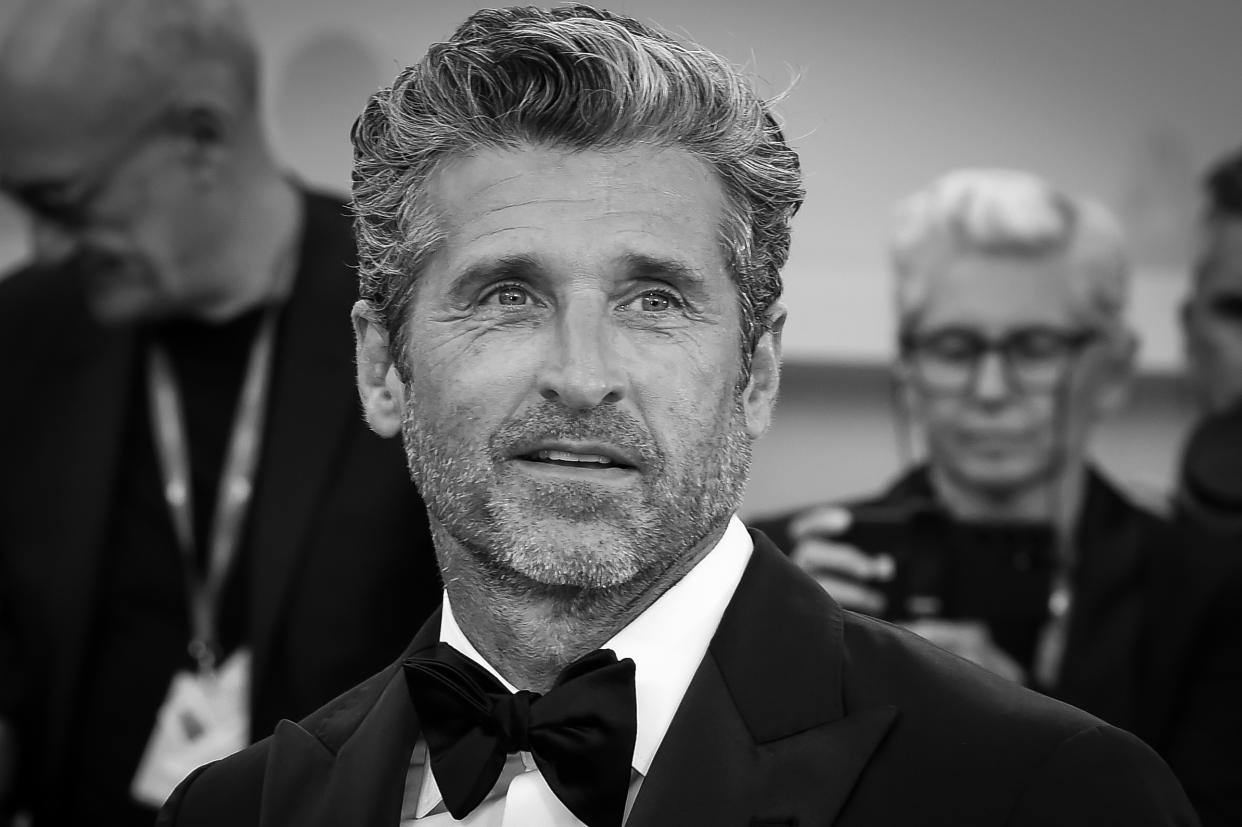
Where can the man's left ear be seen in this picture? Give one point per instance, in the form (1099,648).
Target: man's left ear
(1117,373)
(759,397)
(380,388)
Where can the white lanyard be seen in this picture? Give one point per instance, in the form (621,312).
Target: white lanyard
(236,481)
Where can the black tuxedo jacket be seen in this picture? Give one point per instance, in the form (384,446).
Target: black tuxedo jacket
(1155,637)
(800,713)
(340,566)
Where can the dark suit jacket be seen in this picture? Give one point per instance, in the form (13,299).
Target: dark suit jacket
(1155,637)
(341,570)
(800,713)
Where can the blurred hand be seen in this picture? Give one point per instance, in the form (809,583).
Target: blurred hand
(969,639)
(853,577)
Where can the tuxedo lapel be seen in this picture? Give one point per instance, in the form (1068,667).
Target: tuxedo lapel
(711,770)
(310,406)
(347,764)
(762,735)
(362,784)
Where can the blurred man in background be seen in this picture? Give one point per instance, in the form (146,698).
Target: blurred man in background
(193,518)
(1006,546)
(1212,315)
(1210,479)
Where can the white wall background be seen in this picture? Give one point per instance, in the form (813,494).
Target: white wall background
(1125,100)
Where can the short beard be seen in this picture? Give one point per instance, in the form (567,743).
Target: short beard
(565,538)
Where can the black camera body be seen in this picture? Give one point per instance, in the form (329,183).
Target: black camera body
(1000,573)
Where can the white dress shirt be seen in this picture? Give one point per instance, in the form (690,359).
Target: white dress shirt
(666,642)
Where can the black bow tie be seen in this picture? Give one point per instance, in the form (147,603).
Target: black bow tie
(581,732)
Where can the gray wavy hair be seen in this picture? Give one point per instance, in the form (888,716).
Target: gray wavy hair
(1008,213)
(574,77)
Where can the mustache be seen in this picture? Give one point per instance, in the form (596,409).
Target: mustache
(551,420)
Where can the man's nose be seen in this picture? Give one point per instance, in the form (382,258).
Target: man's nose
(583,369)
(991,381)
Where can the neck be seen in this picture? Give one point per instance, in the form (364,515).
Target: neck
(529,632)
(1057,500)
(259,253)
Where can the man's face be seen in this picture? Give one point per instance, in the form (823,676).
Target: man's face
(573,414)
(119,210)
(1212,318)
(1005,421)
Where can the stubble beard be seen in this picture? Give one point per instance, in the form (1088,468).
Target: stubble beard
(569,537)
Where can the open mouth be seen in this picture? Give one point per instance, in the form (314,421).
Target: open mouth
(579,460)
(574,459)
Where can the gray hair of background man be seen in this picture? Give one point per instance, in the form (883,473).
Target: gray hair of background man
(583,79)
(1010,214)
(132,48)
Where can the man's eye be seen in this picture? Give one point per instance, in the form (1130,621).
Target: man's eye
(1228,307)
(1038,346)
(656,301)
(953,347)
(510,295)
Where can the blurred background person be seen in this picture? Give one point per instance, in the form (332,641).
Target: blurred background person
(1006,546)
(1209,489)
(167,541)
(1212,314)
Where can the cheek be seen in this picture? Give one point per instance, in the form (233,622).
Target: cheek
(466,376)
(937,414)
(682,385)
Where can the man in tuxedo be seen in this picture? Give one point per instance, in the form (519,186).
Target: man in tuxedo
(571,230)
(194,471)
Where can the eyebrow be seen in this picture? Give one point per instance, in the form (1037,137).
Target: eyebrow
(641,266)
(517,267)
(520,266)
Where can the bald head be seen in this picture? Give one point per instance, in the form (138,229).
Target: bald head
(72,70)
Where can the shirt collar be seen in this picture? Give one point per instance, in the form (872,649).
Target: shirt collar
(667,643)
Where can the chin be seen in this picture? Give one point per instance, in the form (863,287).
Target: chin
(1001,475)
(118,290)
(568,553)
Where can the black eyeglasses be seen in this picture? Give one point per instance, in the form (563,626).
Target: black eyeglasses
(1034,359)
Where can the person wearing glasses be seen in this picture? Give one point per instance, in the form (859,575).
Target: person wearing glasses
(198,535)
(1006,545)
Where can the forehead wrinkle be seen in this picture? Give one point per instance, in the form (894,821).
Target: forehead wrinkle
(488,233)
(492,210)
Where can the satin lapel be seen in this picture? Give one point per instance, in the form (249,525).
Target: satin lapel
(710,770)
(298,771)
(311,404)
(87,430)
(361,785)
(349,765)
(762,736)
